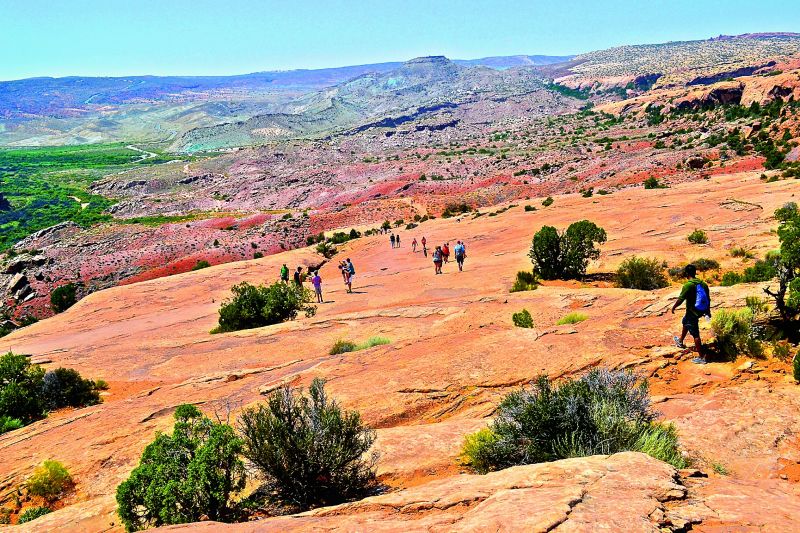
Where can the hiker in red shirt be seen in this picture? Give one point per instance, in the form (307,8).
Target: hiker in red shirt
(446,252)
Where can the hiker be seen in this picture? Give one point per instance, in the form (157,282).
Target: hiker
(698,303)
(392,239)
(285,273)
(351,273)
(437,259)
(298,276)
(397,240)
(414,245)
(461,254)
(316,281)
(446,252)
(424,246)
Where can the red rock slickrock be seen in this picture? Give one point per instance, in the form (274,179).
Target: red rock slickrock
(454,354)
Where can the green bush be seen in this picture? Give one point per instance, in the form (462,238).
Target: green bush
(523,319)
(698,236)
(572,318)
(757,305)
(782,350)
(326,249)
(342,346)
(201,265)
(63,297)
(729,279)
(796,367)
(703,264)
(372,342)
(603,412)
(735,333)
(21,388)
(257,306)
(308,449)
(49,480)
(641,273)
(529,208)
(566,255)
(741,251)
(9,424)
(32,513)
(184,477)
(653,183)
(547,202)
(760,271)
(526,281)
(455,209)
(64,387)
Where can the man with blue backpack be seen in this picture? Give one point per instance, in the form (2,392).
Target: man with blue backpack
(698,303)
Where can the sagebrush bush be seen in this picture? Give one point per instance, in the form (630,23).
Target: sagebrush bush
(64,387)
(603,412)
(729,279)
(782,350)
(200,265)
(21,388)
(703,264)
(256,306)
(63,297)
(184,477)
(641,273)
(698,236)
(342,346)
(32,513)
(735,333)
(526,281)
(309,451)
(523,319)
(741,251)
(326,249)
(572,318)
(760,271)
(547,202)
(49,480)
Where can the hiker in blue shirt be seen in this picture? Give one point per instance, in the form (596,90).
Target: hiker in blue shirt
(698,303)
(461,254)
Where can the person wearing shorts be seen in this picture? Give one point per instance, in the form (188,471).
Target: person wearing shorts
(351,273)
(316,281)
(691,320)
(461,253)
(437,260)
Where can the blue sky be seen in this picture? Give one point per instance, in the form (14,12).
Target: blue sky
(116,37)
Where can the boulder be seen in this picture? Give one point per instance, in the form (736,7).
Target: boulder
(17,282)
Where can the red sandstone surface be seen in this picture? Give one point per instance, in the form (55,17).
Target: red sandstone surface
(454,354)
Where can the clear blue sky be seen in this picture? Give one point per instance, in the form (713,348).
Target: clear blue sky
(126,37)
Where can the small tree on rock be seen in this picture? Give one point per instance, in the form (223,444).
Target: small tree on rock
(566,255)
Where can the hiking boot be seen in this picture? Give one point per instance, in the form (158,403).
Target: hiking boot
(678,342)
(699,361)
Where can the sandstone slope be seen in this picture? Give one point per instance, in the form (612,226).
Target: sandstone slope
(454,354)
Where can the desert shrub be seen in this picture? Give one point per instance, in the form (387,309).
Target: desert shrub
(782,350)
(760,271)
(201,264)
(641,273)
(729,279)
(258,255)
(565,255)
(698,236)
(704,264)
(32,513)
(184,477)
(529,208)
(588,193)
(796,367)
(355,234)
(256,306)
(308,449)
(342,346)
(456,209)
(49,480)
(20,388)
(653,183)
(572,318)
(547,202)
(326,249)
(741,251)
(64,387)
(9,424)
(735,333)
(523,319)
(339,237)
(603,412)
(756,305)
(63,297)
(526,281)
(372,342)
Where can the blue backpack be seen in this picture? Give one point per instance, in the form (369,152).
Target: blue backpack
(701,300)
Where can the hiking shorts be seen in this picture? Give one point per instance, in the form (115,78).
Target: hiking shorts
(692,324)
(459,258)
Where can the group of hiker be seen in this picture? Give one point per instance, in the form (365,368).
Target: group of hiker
(346,267)
(441,254)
